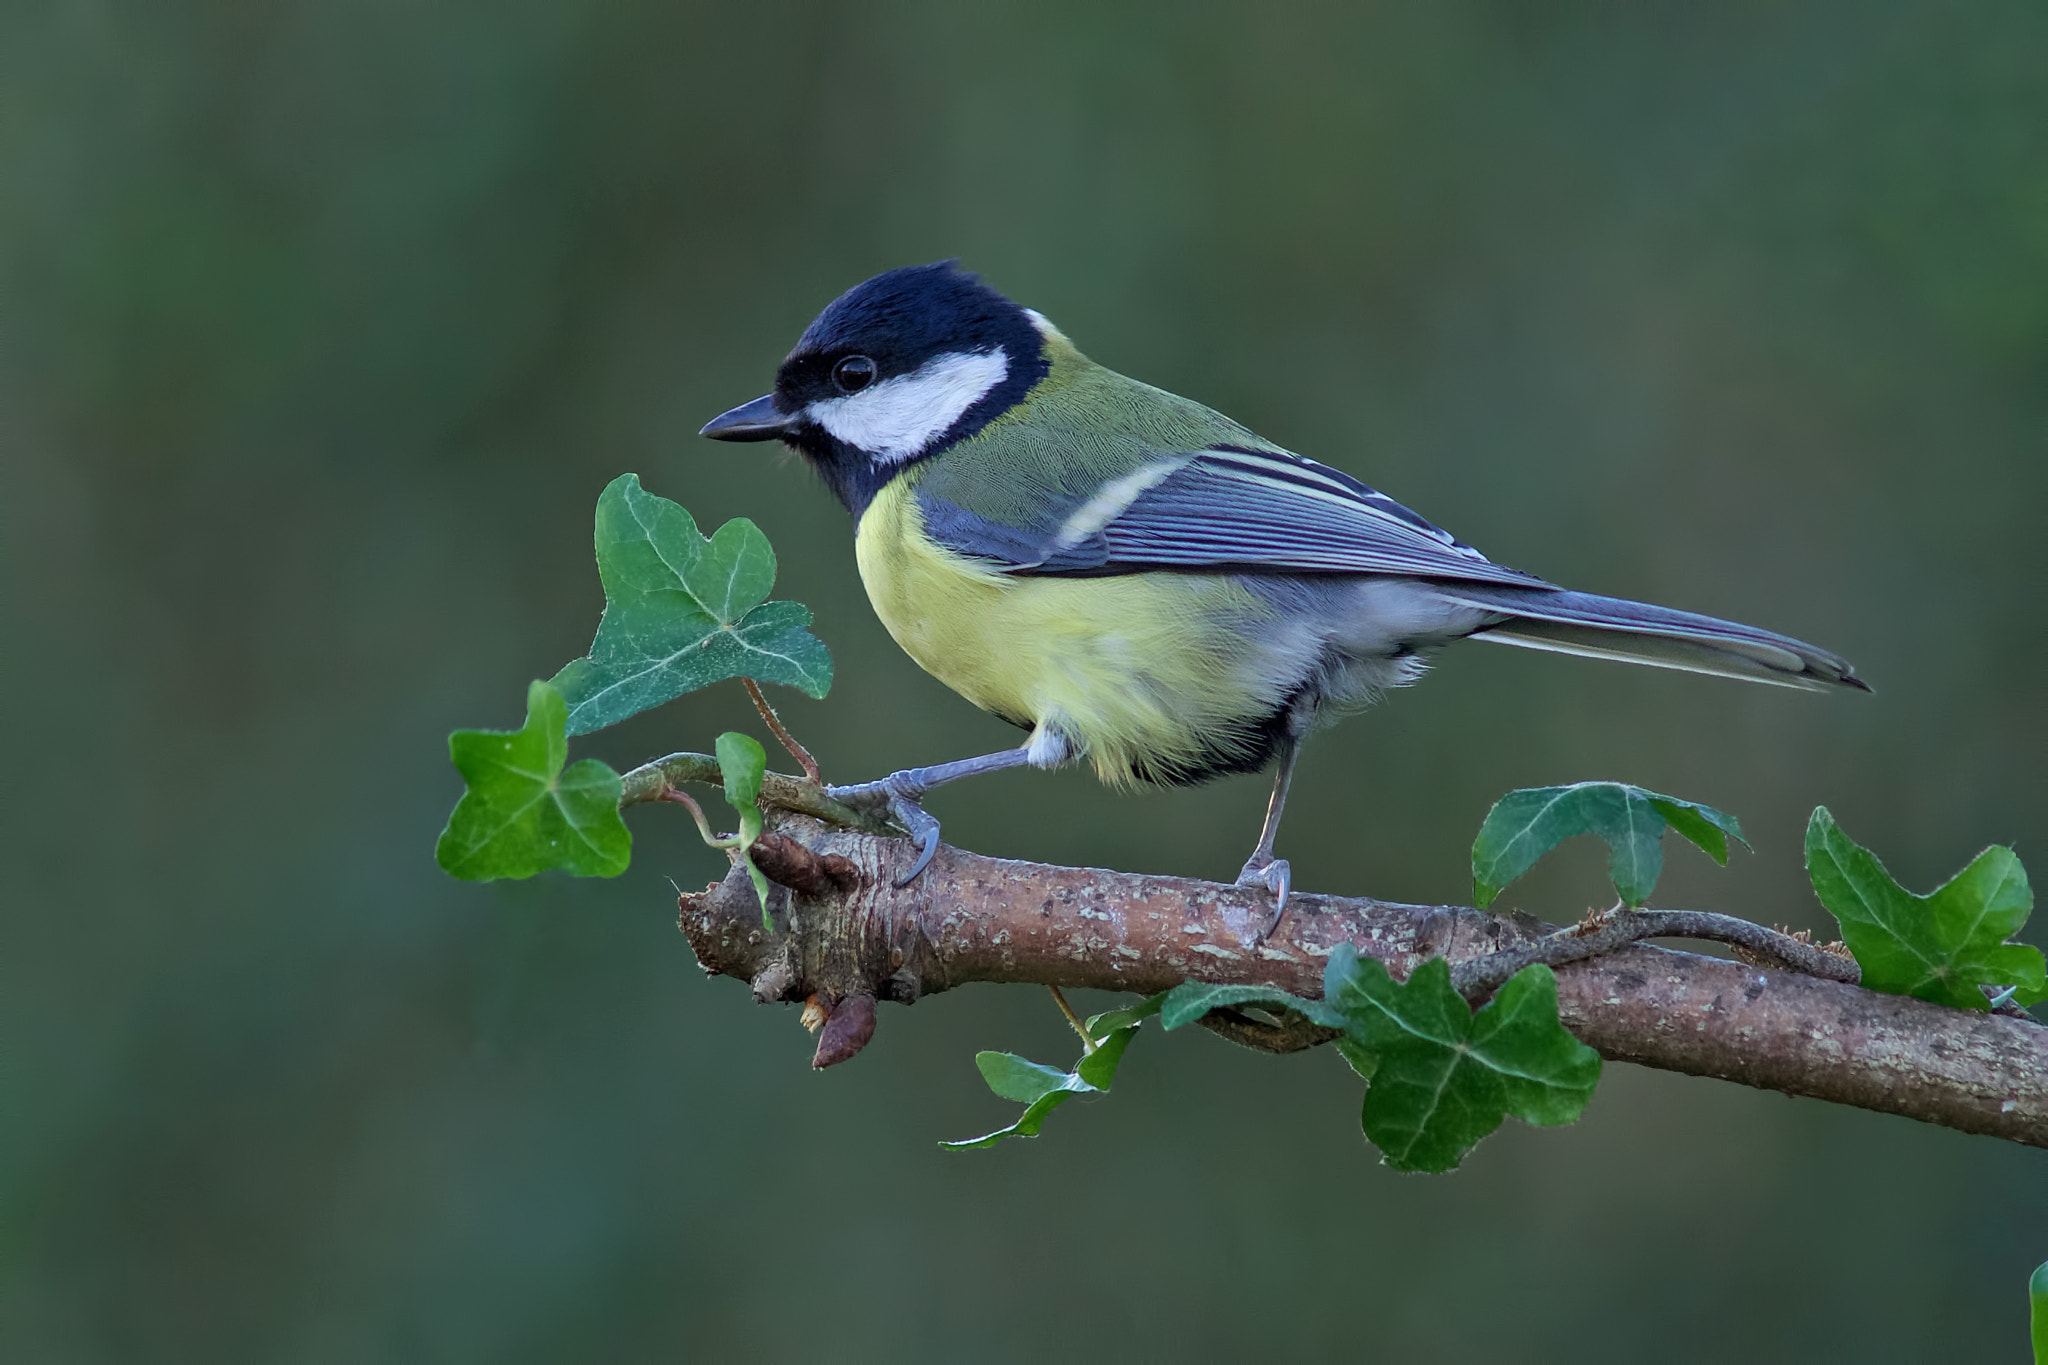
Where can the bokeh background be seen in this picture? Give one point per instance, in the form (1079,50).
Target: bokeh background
(322,324)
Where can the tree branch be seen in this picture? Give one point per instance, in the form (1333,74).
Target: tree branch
(850,937)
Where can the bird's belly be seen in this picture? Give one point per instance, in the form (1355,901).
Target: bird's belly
(1150,675)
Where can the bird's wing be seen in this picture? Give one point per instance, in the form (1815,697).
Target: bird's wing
(1220,508)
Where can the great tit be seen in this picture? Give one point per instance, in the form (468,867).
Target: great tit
(1135,579)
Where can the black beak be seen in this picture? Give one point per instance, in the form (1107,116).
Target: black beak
(755,421)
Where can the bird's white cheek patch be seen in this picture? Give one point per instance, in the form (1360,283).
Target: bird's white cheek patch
(897,418)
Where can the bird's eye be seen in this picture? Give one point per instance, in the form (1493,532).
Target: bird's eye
(854,373)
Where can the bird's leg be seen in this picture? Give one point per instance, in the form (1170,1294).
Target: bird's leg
(1262,868)
(901,793)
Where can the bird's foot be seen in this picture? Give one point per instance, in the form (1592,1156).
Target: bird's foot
(898,796)
(1277,877)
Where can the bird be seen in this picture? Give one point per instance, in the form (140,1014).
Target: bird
(1134,579)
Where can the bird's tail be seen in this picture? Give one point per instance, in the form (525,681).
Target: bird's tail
(1635,632)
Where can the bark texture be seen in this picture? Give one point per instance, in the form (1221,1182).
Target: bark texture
(848,937)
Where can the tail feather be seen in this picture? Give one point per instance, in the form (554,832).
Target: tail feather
(1636,632)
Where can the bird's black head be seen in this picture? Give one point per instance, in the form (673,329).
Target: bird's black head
(895,370)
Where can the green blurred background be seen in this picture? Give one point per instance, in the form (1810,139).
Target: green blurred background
(323,324)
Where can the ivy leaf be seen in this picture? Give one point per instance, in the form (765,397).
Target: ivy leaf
(1100,1026)
(1014,1078)
(1190,1000)
(1042,1089)
(522,813)
(682,612)
(1940,947)
(1524,825)
(1443,1077)
(742,763)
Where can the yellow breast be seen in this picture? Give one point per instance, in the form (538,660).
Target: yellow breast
(1151,666)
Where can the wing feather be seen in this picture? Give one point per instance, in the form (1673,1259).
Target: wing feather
(1228,508)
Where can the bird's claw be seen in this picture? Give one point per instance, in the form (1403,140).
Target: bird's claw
(898,795)
(1277,877)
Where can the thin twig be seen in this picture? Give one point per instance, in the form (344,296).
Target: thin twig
(683,798)
(789,741)
(653,781)
(1479,977)
(1087,1043)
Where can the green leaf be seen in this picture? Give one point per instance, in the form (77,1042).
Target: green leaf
(1706,827)
(1100,1026)
(1940,947)
(1043,1089)
(1033,1117)
(522,813)
(2037,1290)
(682,612)
(1098,1068)
(733,572)
(1014,1078)
(1524,825)
(1443,1077)
(1190,1000)
(742,762)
